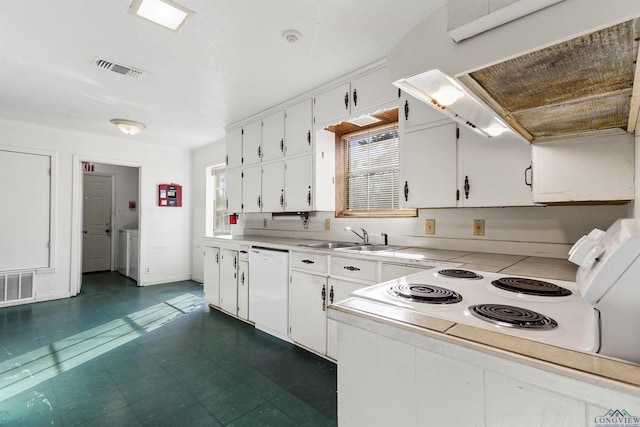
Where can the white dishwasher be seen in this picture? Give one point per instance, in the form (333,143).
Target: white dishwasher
(269,291)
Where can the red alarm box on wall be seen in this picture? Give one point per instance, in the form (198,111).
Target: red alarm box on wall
(170,195)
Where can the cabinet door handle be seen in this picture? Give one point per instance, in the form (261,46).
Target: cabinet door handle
(259,151)
(309,197)
(235,262)
(308,261)
(242,279)
(346,100)
(324,297)
(351,268)
(282,145)
(309,137)
(226,159)
(355,97)
(406,110)
(406,191)
(259,201)
(467,187)
(331,295)
(530,181)
(282,198)
(243,252)
(217,258)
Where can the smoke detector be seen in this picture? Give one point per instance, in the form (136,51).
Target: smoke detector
(292,36)
(105,64)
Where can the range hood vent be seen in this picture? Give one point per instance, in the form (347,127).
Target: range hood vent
(117,68)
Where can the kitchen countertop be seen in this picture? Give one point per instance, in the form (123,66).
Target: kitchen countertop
(550,268)
(596,369)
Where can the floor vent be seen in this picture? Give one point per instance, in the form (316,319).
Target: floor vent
(117,68)
(16,286)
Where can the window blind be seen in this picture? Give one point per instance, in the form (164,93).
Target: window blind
(372,169)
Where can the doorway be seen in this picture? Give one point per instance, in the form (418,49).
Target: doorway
(96,223)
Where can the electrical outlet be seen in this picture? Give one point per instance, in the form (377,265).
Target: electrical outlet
(264,223)
(430,226)
(327,224)
(478,227)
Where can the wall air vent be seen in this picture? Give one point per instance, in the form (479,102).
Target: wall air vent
(16,286)
(117,68)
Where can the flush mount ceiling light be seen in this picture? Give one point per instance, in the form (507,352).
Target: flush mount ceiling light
(364,120)
(292,36)
(162,12)
(129,127)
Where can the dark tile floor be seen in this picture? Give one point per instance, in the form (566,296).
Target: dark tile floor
(120,355)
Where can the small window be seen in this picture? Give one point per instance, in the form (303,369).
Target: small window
(370,171)
(217,222)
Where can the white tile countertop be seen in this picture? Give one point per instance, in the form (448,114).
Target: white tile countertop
(550,268)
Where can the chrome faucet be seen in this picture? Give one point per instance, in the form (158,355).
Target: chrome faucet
(364,236)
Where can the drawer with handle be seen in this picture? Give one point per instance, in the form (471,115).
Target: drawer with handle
(310,262)
(354,268)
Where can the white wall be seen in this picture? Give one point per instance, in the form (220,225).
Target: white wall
(201,158)
(164,232)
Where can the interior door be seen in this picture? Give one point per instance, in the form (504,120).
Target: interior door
(96,220)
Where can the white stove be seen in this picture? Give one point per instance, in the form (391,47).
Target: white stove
(559,317)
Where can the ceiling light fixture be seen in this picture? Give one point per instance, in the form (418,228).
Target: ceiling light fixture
(453,99)
(292,36)
(129,127)
(162,12)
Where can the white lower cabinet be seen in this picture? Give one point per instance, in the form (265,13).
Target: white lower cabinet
(229,281)
(211,286)
(338,291)
(307,310)
(243,289)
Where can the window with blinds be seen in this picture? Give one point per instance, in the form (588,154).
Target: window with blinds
(371,169)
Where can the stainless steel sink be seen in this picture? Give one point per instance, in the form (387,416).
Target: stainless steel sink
(371,248)
(328,245)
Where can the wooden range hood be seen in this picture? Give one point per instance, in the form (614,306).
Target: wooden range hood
(576,87)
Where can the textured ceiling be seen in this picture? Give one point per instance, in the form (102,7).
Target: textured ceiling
(229,62)
(571,88)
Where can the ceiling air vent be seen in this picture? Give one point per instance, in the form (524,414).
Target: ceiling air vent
(117,68)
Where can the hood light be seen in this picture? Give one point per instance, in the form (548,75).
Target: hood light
(128,127)
(454,100)
(447,95)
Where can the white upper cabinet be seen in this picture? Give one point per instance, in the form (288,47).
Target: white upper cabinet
(252,189)
(298,123)
(414,113)
(372,90)
(251,143)
(273,186)
(273,136)
(599,168)
(298,179)
(361,95)
(428,167)
(233,145)
(493,171)
(332,106)
(234,190)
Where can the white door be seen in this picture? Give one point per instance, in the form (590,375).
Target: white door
(428,167)
(96,220)
(371,90)
(333,105)
(243,289)
(297,184)
(307,310)
(273,187)
(229,281)
(234,191)
(298,122)
(211,286)
(234,148)
(273,136)
(252,189)
(252,143)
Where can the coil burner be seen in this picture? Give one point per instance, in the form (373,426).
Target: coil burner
(531,287)
(425,293)
(512,317)
(459,274)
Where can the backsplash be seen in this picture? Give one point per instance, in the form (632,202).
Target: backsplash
(545,231)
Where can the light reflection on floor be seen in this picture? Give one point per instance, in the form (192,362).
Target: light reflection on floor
(30,369)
